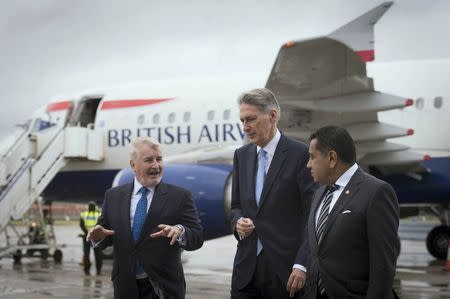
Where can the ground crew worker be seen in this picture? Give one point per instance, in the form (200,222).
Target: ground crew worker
(88,219)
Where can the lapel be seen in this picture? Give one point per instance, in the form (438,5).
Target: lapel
(250,174)
(125,203)
(159,200)
(277,162)
(347,194)
(314,206)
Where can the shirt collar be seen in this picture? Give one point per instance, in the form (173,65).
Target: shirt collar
(137,187)
(343,180)
(272,145)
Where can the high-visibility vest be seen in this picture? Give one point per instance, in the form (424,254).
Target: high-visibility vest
(90,218)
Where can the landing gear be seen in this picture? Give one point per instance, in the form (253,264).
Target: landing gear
(17,256)
(437,241)
(37,241)
(438,237)
(57,256)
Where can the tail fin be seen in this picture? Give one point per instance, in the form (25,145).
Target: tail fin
(358,34)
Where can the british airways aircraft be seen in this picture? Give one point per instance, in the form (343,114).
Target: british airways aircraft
(76,147)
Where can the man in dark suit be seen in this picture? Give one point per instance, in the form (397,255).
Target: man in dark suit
(271,195)
(149,223)
(352,226)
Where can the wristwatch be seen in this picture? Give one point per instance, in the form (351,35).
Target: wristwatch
(182,229)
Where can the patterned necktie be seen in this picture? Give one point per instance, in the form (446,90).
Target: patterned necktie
(260,176)
(324,211)
(323,216)
(138,221)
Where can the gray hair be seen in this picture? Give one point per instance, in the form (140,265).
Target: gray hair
(262,98)
(136,143)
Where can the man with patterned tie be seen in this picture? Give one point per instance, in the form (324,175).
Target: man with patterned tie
(352,226)
(271,194)
(148,222)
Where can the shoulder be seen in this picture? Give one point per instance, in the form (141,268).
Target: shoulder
(245,149)
(295,149)
(293,144)
(373,182)
(173,189)
(118,189)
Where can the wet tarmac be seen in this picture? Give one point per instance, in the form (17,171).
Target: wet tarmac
(207,271)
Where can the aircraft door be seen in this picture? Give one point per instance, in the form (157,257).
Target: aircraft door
(85,112)
(83,140)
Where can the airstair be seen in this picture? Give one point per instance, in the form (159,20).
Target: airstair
(28,166)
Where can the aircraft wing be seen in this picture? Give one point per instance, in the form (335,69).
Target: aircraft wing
(323,81)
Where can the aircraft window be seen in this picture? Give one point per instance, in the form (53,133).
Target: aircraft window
(419,103)
(226,114)
(141,119)
(187,116)
(171,117)
(438,101)
(156,118)
(210,115)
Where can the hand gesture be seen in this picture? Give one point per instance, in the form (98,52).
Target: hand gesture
(244,227)
(296,281)
(98,233)
(168,231)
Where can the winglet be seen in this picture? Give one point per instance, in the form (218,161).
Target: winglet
(358,34)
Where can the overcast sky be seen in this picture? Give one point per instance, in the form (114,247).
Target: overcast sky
(53,47)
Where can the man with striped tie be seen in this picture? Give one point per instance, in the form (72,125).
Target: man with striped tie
(352,226)
(148,222)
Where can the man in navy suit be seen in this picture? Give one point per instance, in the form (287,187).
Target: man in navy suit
(148,222)
(271,195)
(352,225)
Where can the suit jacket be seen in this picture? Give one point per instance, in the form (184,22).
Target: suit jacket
(162,262)
(358,252)
(281,218)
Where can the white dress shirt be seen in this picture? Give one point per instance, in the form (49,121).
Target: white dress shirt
(341,182)
(136,196)
(270,151)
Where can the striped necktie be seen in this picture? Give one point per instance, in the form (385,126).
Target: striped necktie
(324,211)
(323,216)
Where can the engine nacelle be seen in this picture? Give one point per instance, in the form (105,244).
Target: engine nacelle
(210,185)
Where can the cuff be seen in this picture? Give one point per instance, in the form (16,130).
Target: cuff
(181,240)
(95,244)
(300,267)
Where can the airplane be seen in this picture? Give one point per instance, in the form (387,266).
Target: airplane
(76,147)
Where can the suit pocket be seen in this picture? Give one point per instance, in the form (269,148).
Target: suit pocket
(357,286)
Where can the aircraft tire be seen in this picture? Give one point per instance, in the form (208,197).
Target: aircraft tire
(44,254)
(437,241)
(57,256)
(17,257)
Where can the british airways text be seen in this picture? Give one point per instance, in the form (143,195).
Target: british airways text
(212,133)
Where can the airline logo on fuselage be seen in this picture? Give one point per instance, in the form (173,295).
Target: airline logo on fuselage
(211,133)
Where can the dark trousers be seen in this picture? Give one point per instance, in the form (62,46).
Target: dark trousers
(322,296)
(98,257)
(145,289)
(265,284)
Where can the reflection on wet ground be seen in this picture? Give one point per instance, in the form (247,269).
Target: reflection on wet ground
(208,271)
